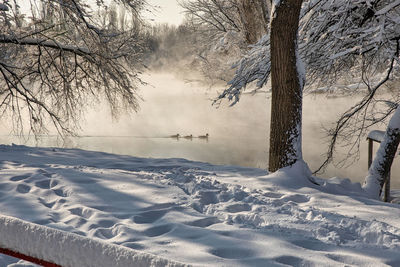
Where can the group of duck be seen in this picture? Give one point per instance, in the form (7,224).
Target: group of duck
(177,136)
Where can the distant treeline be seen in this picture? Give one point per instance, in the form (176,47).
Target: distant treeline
(187,50)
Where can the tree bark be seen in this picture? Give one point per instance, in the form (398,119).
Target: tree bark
(287,86)
(380,167)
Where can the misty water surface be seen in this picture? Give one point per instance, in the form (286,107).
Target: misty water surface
(238,135)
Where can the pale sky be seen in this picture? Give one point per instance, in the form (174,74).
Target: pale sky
(169,12)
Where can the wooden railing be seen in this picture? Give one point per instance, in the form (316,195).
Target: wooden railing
(377,136)
(27,258)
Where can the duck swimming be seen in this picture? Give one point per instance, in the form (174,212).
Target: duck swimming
(188,136)
(203,136)
(175,136)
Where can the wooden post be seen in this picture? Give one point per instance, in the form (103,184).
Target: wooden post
(386,196)
(370,151)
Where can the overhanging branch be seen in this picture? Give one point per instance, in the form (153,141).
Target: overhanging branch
(83,51)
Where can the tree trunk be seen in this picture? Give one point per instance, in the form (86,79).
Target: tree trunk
(253,18)
(287,78)
(380,167)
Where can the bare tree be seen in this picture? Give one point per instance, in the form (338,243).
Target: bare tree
(213,17)
(217,17)
(226,29)
(59,56)
(254,16)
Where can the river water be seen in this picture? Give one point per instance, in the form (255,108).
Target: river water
(238,135)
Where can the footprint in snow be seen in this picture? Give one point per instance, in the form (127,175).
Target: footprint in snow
(106,223)
(133,245)
(232,253)
(23,188)
(44,221)
(62,192)
(238,207)
(47,204)
(315,245)
(295,198)
(46,183)
(75,221)
(207,197)
(11,165)
(149,216)
(19,177)
(82,212)
(45,173)
(204,222)
(101,224)
(293,261)
(240,195)
(158,230)
(59,202)
(104,233)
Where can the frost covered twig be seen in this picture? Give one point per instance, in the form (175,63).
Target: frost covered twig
(55,59)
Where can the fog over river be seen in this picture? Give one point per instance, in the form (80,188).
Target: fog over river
(238,135)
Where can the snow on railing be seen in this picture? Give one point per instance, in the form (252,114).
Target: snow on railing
(376,135)
(54,247)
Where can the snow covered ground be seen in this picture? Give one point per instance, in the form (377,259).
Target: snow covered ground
(196,213)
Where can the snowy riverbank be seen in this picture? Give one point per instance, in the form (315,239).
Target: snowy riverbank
(197,213)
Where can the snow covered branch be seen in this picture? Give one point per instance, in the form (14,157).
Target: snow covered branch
(44,43)
(254,66)
(336,39)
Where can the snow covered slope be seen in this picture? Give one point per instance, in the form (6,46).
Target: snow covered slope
(197,213)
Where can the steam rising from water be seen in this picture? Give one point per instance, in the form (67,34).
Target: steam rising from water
(238,135)
(172,106)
